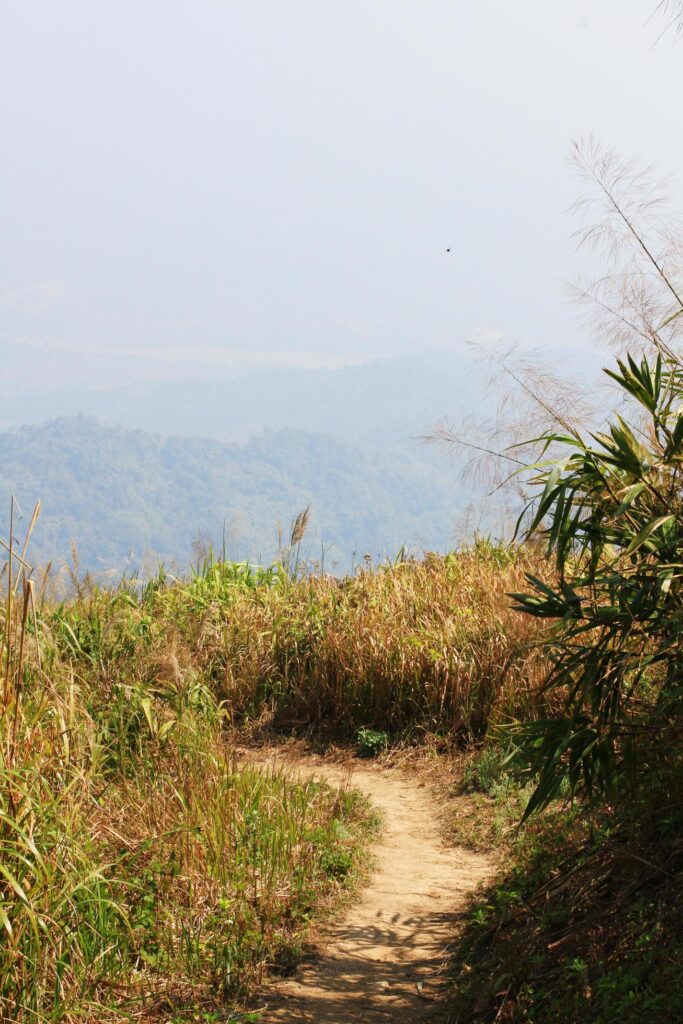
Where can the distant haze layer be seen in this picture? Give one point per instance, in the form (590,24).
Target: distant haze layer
(401,398)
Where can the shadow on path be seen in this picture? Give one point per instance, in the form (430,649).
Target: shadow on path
(384,962)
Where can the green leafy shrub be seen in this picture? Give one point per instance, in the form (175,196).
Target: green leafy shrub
(371,742)
(611,508)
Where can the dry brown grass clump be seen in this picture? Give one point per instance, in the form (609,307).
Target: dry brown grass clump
(426,646)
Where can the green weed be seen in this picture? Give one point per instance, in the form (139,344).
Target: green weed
(371,742)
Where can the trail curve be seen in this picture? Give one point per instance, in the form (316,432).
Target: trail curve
(384,960)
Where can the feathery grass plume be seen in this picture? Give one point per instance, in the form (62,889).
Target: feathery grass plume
(289,555)
(629,223)
(80,584)
(672,12)
(299,527)
(530,398)
(202,547)
(636,304)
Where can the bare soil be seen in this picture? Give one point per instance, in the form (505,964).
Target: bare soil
(384,961)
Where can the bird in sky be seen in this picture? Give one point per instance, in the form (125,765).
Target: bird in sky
(448,250)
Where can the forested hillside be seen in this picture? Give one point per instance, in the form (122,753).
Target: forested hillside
(128,498)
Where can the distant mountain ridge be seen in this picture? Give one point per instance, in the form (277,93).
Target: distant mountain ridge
(128,498)
(390,399)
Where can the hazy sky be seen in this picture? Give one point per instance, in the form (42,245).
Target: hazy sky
(278,181)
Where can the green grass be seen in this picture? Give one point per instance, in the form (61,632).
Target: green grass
(169,873)
(172,874)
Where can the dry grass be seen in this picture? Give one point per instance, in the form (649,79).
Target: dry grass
(413,648)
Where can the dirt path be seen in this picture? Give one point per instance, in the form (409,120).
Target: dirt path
(383,962)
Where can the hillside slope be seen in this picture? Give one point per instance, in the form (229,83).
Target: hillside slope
(128,497)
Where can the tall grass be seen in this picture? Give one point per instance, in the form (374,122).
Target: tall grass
(142,867)
(413,647)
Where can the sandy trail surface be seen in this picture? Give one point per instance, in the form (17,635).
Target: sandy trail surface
(384,960)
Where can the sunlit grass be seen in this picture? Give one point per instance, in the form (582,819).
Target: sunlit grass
(142,865)
(410,648)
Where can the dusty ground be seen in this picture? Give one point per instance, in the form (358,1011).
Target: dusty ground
(384,961)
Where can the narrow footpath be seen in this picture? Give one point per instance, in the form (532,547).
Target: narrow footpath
(384,961)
